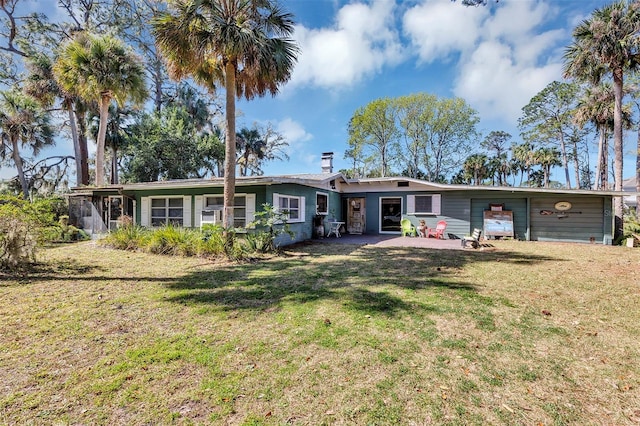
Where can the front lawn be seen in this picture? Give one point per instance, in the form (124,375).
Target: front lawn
(520,333)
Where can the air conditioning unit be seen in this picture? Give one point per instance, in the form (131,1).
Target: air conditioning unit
(210,216)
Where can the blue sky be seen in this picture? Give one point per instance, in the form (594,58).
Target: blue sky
(495,57)
(352,52)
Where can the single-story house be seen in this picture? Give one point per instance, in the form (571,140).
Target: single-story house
(193,202)
(364,206)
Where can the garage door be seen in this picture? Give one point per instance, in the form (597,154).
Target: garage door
(580,220)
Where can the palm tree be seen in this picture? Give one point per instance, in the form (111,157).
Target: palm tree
(116,136)
(250,146)
(477,167)
(525,157)
(100,68)
(499,164)
(608,43)
(547,158)
(42,86)
(244,45)
(23,122)
(596,106)
(255,146)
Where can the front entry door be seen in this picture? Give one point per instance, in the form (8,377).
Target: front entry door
(356,215)
(114,212)
(390,214)
(117,207)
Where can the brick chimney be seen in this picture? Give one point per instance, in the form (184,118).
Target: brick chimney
(327,162)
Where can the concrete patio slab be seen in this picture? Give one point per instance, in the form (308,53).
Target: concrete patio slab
(392,241)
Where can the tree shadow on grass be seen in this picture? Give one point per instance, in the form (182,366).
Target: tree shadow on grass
(66,270)
(367,279)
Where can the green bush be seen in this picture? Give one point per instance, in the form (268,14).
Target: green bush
(67,233)
(631,223)
(212,241)
(48,218)
(207,242)
(631,226)
(50,210)
(269,224)
(259,242)
(173,241)
(20,234)
(129,237)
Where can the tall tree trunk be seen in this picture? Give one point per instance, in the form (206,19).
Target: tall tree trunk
(102,133)
(157,81)
(76,144)
(598,178)
(114,166)
(576,164)
(521,177)
(230,151)
(604,174)
(618,149)
(244,167)
(82,143)
(18,162)
(546,173)
(565,160)
(415,162)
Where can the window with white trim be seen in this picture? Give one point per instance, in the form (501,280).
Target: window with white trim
(165,211)
(423,204)
(322,203)
(216,202)
(294,206)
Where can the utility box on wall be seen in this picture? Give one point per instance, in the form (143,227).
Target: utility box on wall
(210,216)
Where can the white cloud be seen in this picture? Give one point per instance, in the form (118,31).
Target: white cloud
(498,86)
(361,42)
(503,57)
(293,131)
(515,19)
(438,29)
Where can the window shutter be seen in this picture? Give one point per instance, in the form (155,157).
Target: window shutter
(436,203)
(411,204)
(276,202)
(198,211)
(303,217)
(144,211)
(186,211)
(250,208)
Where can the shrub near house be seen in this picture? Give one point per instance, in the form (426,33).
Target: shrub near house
(25,226)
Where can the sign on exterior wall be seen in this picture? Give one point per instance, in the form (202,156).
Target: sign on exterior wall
(498,223)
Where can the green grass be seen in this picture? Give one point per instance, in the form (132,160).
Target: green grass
(523,333)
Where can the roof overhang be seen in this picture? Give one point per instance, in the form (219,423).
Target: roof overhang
(315,180)
(390,184)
